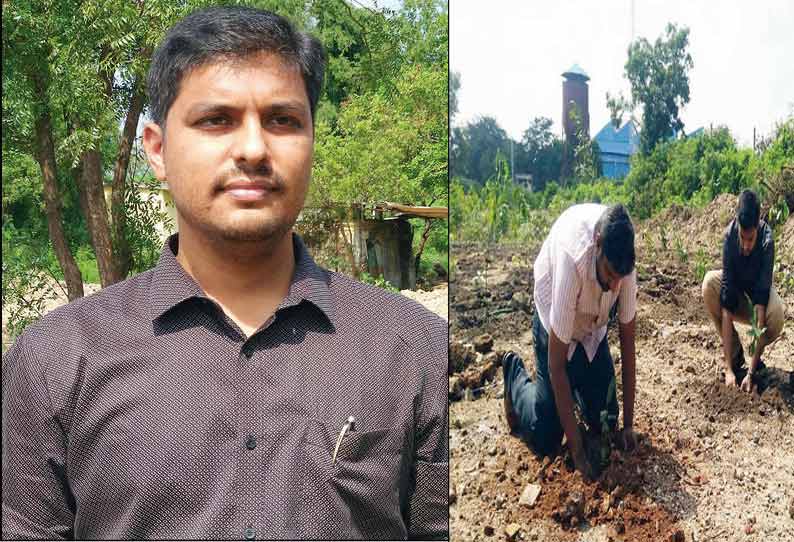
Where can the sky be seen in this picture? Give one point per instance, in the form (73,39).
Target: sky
(511,54)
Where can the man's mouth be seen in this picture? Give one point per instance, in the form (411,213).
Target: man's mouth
(250,190)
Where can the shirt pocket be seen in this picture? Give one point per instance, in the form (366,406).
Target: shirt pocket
(365,483)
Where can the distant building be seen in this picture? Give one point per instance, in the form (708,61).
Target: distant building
(616,147)
(574,95)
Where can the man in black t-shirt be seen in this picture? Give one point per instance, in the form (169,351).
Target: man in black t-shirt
(743,285)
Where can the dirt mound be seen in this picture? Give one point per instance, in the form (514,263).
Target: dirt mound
(774,394)
(616,499)
(690,229)
(492,293)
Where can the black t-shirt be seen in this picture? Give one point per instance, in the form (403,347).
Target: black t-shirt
(752,274)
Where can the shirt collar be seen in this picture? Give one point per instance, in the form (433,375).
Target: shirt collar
(172,285)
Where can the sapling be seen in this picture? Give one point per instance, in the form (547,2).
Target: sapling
(607,420)
(755,332)
(663,237)
(701,261)
(681,251)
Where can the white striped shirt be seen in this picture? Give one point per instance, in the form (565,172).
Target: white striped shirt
(568,297)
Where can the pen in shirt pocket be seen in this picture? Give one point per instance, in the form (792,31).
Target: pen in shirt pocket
(350,425)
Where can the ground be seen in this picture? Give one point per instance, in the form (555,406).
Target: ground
(437,299)
(713,463)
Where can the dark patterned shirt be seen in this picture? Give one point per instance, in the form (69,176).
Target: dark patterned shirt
(144,412)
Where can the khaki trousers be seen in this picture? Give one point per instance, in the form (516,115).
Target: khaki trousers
(711,297)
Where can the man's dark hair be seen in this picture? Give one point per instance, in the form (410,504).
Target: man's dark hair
(748,210)
(617,239)
(229,33)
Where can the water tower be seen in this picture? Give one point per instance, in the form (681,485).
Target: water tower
(574,94)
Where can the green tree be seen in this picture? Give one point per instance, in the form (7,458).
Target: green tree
(475,147)
(659,79)
(454,87)
(541,153)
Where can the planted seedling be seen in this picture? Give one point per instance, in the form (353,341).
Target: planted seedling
(683,256)
(663,237)
(607,421)
(755,332)
(701,261)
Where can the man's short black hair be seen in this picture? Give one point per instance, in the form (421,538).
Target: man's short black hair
(231,33)
(617,239)
(748,210)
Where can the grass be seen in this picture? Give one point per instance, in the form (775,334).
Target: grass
(87,264)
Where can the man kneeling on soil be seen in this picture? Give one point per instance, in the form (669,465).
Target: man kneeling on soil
(748,254)
(585,266)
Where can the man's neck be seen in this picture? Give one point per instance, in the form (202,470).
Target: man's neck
(247,279)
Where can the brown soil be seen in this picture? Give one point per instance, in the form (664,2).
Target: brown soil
(712,460)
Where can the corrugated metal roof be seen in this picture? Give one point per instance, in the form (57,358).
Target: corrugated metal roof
(413,210)
(623,141)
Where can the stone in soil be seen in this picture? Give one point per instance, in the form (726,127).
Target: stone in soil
(512,530)
(530,495)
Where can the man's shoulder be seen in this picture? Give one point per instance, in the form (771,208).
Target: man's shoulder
(766,235)
(381,308)
(109,307)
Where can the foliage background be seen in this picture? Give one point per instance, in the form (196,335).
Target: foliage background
(381,131)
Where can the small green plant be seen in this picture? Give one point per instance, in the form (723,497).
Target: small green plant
(784,276)
(683,256)
(650,246)
(755,332)
(607,420)
(380,282)
(663,236)
(701,261)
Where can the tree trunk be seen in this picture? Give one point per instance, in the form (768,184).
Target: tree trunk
(425,236)
(97,217)
(123,254)
(45,154)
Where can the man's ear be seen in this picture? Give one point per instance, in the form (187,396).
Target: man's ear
(153,144)
(597,238)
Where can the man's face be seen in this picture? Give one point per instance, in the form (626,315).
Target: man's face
(237,149)
(747,240)
(608,279)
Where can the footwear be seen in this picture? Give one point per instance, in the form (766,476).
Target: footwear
(510,415)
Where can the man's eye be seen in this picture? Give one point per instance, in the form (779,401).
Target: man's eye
(286,120)
(214,121)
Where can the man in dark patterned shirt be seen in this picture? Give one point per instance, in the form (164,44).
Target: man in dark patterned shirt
(236,390)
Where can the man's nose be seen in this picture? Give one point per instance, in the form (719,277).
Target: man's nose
(250,144)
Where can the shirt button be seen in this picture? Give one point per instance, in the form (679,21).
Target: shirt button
(250,533)
(247,352)
(250,442)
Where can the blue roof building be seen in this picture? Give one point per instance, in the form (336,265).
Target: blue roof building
(616,148)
